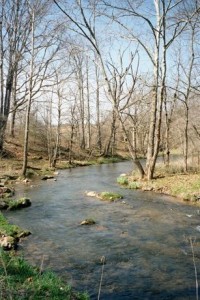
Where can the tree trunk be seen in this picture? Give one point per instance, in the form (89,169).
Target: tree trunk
(159,95)
(186,139)
(2,133)
(57,145)
(29,102)
(12,123)
(88,110)
(13,113)
(98,124)
(110,146)
(1,71)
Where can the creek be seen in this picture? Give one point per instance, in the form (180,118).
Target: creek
(143,237)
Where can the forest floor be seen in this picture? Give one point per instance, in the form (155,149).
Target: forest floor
(38,164)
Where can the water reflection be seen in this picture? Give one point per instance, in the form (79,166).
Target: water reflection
(144,239)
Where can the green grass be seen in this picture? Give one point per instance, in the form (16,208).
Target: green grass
(123,180)
(8,229)
(110,196)
(17,204)
(127,181)
(19,280)
(134,185)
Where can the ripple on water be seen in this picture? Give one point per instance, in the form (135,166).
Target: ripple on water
(144,240)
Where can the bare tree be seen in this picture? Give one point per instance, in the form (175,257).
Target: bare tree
(28,108)
(14,28)
(98,121)
(186,87)
(80,79)
(42,52)
(163,30)
(88,30)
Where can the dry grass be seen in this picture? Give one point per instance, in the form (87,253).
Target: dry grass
(185,186)
(172,181)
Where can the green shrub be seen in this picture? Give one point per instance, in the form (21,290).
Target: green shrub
(123,180)
(133,185)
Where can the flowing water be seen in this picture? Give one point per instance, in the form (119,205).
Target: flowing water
(143,237)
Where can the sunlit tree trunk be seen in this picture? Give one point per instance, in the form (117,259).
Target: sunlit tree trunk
(98,122)
(29,102)
(88,108)
(154,122)
(110,145)
(13,112)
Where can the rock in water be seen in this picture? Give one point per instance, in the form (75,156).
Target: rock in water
(20,203)
(92,194)
(8,243)
(88,222)
(46,177)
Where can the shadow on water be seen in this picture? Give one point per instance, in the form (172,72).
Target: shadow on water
(144,239)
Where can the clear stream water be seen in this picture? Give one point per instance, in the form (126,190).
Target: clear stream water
(144,240)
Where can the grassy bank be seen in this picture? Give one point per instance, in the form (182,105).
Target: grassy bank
(171,181)
(19,280)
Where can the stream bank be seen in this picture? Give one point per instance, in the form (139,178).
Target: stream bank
(183,186)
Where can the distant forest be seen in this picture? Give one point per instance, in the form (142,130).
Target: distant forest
(101,77)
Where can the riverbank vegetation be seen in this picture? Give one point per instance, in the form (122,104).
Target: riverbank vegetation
(19,280)
(171,181)
(110,196)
